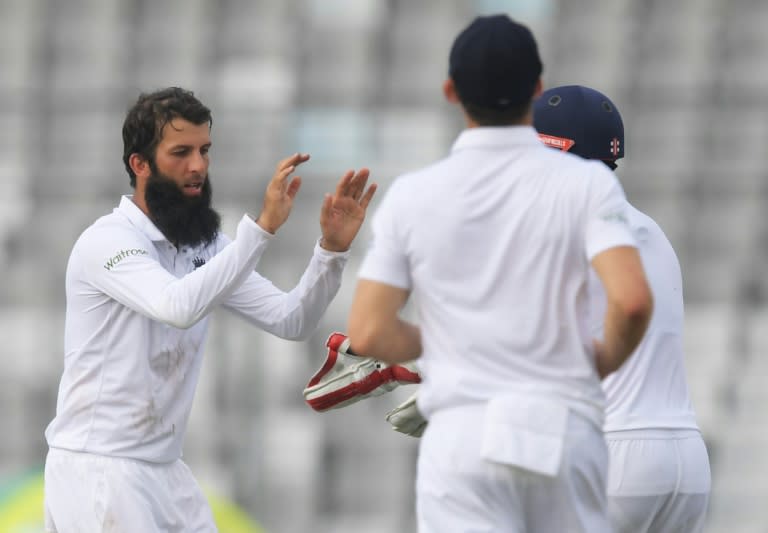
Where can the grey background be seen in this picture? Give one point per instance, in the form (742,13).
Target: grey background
(357,83)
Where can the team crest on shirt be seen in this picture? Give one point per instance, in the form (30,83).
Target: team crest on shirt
(198,262)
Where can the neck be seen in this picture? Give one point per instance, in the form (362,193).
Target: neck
(470,123)
(138,199)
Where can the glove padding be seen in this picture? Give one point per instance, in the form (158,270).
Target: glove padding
(346,378)
(407,419)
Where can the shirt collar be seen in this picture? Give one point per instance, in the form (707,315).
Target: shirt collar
(501,137)
(138,218)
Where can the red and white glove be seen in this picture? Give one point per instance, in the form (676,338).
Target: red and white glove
(346,378)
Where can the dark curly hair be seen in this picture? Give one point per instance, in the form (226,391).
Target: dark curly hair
(144,123)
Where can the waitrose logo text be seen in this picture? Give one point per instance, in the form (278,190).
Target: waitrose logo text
(122,254)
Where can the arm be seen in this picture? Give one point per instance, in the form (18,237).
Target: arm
(294,314)
(123,265)
(375,327)
(628,309)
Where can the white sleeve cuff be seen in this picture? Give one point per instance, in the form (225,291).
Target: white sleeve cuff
(327,255)
(249,222)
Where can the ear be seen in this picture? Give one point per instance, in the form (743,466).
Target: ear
(538,89)
(139,165)
(449,90)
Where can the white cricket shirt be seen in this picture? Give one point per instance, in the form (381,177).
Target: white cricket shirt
(650,389)
(136,322)
(494,242)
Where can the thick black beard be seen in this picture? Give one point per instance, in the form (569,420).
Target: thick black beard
(184,220)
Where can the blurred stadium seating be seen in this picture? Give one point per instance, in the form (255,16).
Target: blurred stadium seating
(354,83)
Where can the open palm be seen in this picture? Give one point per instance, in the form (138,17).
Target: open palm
(343,212)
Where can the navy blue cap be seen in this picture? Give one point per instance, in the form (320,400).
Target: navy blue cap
(581,121)
(494,63)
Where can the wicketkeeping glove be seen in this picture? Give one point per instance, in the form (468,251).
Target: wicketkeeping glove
(407,419)
(346,378)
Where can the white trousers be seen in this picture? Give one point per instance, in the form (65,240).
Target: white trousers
(87,493)
(457,491)
(658,481)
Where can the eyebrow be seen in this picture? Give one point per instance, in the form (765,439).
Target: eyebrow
(188,146)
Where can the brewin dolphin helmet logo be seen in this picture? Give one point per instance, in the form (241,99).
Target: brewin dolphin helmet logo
(557,142)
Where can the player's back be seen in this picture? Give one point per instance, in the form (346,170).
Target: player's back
(496,237)
(650,390)
(658,477)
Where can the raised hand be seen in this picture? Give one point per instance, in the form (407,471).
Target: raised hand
(343,212)
(278,198)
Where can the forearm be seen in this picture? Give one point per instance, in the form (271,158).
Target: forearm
(629,304)
(295,314)
(375,327)
(623,333)
(395,341)
(305,305)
